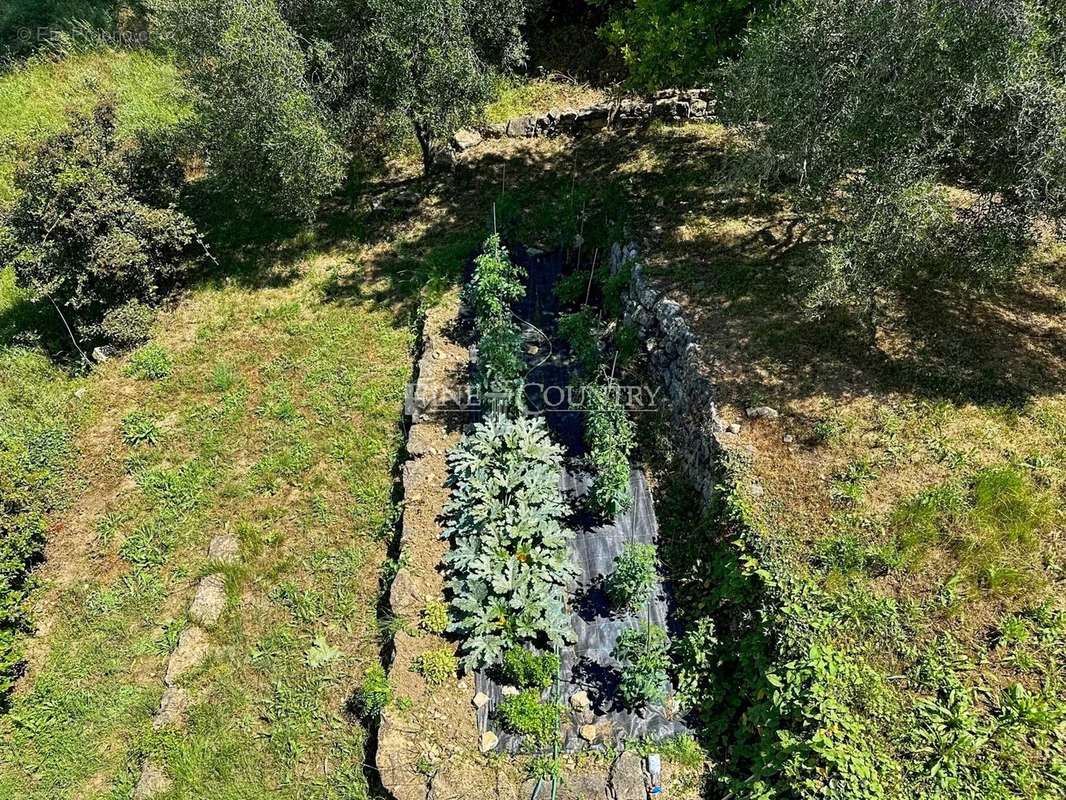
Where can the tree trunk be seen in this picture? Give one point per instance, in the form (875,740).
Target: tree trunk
(425,141)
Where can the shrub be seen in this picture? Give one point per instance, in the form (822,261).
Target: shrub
(435,616)
(610,437)
(672,43)
(867,139)
(437,666)
(529,670)
(525,714)
(150,363)
(375,694)
(82,235)
(633,579)
(509,561)
(642,653)
(128,325)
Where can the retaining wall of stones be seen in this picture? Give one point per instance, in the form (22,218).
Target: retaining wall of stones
(673,105)
(680,367)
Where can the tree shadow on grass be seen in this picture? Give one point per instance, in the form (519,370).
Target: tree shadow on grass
(735,261)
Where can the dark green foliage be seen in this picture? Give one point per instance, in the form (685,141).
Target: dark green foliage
(581,331)
(495,285)
(128,325)
(22,529)
(82,234)
(642,653)
(529,670)
(935,154)
(432,60)
(633,579)
(610,436)
(508,564)
(375,694)
(677,43)
(525,714)
(264,130)
(429,63)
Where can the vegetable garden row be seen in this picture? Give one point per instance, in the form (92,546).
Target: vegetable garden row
(511,524)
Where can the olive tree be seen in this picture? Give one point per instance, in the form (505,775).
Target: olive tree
(428,61)
(264,131)
(921,138)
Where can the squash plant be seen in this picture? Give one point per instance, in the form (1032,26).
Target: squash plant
(610,438)
(508,565)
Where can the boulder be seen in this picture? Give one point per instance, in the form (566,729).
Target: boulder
(579,701)
(464,139)
(172,708)
(762,412)
(225,549)
(583,786)
(153,781)
(489,740)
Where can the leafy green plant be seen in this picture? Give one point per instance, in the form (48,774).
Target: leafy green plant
(496,283)
(582,331)
(525,714)
(528,670)
(610,437)
(375,693)
(509,562)
(633,579)
(140,428)
(435,616)
(150,363)
(86,237)
(642,652)
(437,666)
(148,545)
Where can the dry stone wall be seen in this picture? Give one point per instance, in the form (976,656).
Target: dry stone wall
(679,365)
(673,105)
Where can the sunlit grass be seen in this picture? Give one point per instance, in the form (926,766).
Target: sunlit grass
(37,99)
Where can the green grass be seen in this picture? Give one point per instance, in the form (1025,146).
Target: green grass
(520,98)
(37,98)
(269,411)
(20,20)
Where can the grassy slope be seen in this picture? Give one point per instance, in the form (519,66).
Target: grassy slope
(278,420)
(35,99)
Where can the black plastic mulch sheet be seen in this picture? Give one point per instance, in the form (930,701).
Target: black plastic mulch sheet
(587,663)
